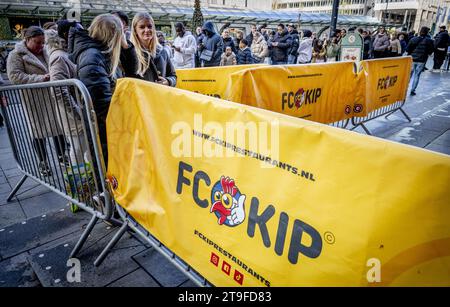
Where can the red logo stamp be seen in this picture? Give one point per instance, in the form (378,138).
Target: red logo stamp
(215,259)
(226,268)
(238,277)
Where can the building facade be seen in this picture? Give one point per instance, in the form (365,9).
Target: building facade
(346,7)
(242,4)
(409,14)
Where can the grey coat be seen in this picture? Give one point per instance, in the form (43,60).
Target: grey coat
(24,67)
(381,42)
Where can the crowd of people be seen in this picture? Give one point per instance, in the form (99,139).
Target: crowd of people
(113,48)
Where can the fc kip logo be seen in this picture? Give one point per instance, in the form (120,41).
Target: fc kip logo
(227,203)
(300,98)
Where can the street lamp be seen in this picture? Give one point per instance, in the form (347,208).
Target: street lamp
(386,12)
(334,16)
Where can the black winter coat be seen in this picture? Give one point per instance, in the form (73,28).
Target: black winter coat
(420,48)
(280,52)
(442,40)
(295,43)
(93,69)
(244,56)
(229,42)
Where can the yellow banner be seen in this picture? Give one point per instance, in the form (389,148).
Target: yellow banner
(324,93)
(329,208)
(211,81)
(384,82)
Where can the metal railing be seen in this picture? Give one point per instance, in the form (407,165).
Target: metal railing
(384,111)
(54,137)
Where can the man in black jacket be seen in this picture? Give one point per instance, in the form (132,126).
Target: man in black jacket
(211,47)
(441,43)
(293,51)
(280,45)
(420,48)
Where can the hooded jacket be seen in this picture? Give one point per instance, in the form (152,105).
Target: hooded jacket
(213,42)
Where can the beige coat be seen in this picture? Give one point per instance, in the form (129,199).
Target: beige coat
(61,68)
(23,67)
(260,49)
(228,60)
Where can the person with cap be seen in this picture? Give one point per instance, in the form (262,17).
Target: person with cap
(184,47)
(441,44)
(420,48)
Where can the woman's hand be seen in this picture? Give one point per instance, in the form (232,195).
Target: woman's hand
(163,81)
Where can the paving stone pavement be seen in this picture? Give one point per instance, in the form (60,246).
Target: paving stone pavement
(38,231)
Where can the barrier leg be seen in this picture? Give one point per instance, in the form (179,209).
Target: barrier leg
(365,129)
(84,237)
(111,245)
(16,188)
(406,115)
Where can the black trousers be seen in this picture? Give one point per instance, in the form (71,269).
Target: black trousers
(439,58)
(40,147)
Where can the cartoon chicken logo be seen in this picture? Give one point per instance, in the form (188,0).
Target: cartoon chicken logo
(227,203)
(299,98)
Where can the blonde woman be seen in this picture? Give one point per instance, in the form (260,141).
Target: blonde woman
(97,53)
(153,61)
(395,47)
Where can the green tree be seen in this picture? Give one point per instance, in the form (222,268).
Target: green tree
(197,19)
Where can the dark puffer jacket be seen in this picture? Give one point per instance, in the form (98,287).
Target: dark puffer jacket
(280,52)
(420,48)
(93,69)
(229,42)
(295,43)
(213,42)
(244,56)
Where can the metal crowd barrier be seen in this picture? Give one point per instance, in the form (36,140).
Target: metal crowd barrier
(384,111)
(54,136)
(131,224)
(343,124)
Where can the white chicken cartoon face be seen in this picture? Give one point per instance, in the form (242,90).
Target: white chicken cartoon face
(227,203)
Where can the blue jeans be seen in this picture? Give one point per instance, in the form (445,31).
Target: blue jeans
(417,70)
(292,59)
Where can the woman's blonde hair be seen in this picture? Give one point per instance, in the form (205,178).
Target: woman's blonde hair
(107,29)
(142,51)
